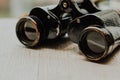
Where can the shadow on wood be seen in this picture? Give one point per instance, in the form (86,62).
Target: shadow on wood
(58,43)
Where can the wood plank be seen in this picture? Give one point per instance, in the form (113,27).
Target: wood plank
(60,61)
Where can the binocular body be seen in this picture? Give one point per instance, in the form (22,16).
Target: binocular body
(51,22)
(96,32)
(99,35)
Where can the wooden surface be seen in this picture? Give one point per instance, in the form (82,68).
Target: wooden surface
(53,61)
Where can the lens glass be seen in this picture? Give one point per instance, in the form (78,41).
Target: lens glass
(96,42)
(30,30)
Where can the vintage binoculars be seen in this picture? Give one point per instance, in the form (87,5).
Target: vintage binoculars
(97,34)
(51,22)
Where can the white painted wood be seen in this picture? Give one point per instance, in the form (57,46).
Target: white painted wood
(51,62)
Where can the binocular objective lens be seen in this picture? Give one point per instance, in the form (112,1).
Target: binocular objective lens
(27,32)
(96,42)
(30,31)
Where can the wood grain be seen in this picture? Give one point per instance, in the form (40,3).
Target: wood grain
(60,61)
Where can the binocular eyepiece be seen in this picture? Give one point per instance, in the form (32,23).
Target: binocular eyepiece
(99,36)
(51,22)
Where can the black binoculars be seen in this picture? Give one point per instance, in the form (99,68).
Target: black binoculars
(51,22)
(97,34)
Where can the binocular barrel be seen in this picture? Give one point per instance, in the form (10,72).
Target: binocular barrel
(51,22)
(96,43)
(100,34)
(103,18)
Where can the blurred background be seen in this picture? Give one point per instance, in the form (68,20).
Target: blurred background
(16,8)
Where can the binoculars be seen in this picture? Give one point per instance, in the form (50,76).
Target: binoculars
(96,32)
(52,21)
